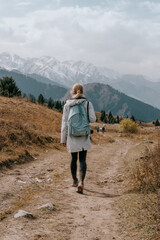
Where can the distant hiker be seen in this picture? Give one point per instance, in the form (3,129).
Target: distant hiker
(97,129)
(75,132)
(103,129)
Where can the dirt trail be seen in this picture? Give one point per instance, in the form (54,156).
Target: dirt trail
(92,215)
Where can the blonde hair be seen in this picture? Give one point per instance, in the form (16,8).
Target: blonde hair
(77,91)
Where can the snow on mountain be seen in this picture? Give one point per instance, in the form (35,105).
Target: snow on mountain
(67,72)
(112,75)
(10,62)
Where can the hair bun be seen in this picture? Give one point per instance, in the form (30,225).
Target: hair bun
(77,90)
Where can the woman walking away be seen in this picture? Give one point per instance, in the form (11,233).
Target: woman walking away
(75,132)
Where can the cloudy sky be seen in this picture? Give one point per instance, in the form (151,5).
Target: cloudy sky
(120,34)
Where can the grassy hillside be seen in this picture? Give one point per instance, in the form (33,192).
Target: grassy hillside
(26,129)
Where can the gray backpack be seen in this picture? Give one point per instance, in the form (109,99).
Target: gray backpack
(78,120)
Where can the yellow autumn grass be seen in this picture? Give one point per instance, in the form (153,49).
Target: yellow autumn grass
(26,128)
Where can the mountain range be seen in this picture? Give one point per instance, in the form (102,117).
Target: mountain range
(29,85)
(67,73)
(35,76)
(107,98)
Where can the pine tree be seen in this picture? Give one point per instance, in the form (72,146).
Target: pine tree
(105,120)
(157,123)
(113,121)
(50,103)
(110,117)
(103,116)
(41,99)
(32,98)
(58,106)
(8,87)
(133,118)
(117,119)
(24,95)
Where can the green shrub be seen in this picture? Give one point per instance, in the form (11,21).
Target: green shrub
(128,125)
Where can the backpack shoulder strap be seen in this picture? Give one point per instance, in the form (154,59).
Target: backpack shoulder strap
(88,111)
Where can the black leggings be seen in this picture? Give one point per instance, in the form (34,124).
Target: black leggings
(83,165)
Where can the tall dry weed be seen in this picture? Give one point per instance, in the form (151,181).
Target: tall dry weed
(140,206)
(146,174)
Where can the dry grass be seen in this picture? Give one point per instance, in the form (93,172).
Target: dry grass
(140,206)
(4,214)
(139,219)
(146,174)
(26,195)
(143,162)
(26,128)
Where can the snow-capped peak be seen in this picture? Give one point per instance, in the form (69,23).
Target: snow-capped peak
(67,72)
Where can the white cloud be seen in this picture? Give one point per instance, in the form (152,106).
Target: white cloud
(107,37)
(153,6)
(24,3)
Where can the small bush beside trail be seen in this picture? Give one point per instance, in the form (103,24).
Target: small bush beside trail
(128,125)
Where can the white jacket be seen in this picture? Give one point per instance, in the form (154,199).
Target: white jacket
(76,144)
